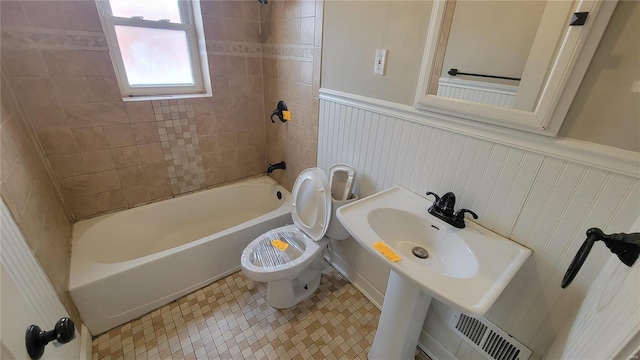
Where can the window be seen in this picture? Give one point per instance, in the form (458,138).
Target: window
(154,46)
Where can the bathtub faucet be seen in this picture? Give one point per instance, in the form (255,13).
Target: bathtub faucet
(280,165)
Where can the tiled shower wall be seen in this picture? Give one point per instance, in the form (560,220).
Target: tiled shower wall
(29,192)
(292,38)
(107,154)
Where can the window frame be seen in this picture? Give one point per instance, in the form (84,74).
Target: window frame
(200,87)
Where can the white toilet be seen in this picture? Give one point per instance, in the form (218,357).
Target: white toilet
(293,274)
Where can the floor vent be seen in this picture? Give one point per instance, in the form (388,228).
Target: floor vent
(487,338)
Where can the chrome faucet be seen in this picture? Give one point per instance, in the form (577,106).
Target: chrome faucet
(443,208)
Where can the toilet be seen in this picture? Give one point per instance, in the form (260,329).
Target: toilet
(293,273)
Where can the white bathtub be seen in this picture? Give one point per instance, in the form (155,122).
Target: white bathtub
(126,264)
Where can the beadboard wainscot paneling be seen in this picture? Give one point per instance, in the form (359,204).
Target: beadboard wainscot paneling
(541,192)
(25,282)
(478,91)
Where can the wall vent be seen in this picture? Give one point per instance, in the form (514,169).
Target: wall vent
(487,338)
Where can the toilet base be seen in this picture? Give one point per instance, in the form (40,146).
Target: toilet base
(282,294)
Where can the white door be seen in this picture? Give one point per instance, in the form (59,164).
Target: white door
(608,323)
(26,297)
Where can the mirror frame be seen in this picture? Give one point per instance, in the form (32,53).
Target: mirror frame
(570,65)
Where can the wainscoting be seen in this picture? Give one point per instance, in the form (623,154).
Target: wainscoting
(540,192)
(477,91)
(29,298)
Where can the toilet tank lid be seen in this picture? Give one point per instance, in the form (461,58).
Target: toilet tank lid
(311,203)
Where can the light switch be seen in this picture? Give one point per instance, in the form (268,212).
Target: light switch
(380,62)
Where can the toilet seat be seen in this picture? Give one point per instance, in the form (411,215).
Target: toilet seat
(266,263)
(269,258)
(311,203)
(293,272)
(311,213)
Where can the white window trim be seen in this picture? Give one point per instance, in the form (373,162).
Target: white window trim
(192,25)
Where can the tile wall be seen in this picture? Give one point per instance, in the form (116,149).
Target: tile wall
(107,154)
(29,192)
(292,40)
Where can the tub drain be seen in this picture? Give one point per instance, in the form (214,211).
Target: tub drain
(420,252)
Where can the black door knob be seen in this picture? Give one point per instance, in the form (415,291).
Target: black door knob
(36,339)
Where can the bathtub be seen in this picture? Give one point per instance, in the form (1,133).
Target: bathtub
(126,264)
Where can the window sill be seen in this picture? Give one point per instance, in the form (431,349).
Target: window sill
(164,97)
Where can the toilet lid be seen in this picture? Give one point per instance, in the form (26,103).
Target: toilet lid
(311,203)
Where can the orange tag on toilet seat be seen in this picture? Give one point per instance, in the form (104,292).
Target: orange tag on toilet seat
(279,244)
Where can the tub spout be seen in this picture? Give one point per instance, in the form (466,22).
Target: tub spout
(280,165)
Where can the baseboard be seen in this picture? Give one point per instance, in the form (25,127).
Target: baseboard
(433,348)
(355,278)
(86,344)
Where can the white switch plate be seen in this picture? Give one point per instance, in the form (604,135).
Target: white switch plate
(380,62)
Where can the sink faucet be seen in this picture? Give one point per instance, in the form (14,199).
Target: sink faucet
(280,165)
(443,207)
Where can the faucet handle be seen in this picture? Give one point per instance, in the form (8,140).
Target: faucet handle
(434,195)
(459,215)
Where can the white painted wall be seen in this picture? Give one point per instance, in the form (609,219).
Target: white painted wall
(492,37)
(534,191)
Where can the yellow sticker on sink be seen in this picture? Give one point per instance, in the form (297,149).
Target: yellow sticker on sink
(279,244)
(386,251)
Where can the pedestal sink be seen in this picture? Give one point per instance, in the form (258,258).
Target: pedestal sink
(466,269)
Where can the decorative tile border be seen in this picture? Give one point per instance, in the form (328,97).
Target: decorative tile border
(53,39)
(284,51)
(234,48)
(288,51)
(21,37)
(180,145)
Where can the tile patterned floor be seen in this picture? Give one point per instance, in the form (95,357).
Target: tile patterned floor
(230,319)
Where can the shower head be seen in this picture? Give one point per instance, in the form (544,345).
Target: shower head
(263,2)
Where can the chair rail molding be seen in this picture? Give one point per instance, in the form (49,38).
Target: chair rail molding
(604,157)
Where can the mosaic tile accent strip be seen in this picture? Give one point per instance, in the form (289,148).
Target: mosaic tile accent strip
(234,48)
(289,51)
(53,39)
(85,40)
(230,319)
(180,145)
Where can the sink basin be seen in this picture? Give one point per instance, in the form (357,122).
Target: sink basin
(466,269)
(448,254)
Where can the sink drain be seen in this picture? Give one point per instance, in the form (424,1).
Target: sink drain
(420,252)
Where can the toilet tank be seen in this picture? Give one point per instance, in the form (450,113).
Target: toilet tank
(336,230)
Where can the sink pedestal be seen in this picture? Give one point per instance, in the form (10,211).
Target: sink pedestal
(403,313)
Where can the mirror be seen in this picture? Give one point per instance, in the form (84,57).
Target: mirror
(522,73)
(485,63)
